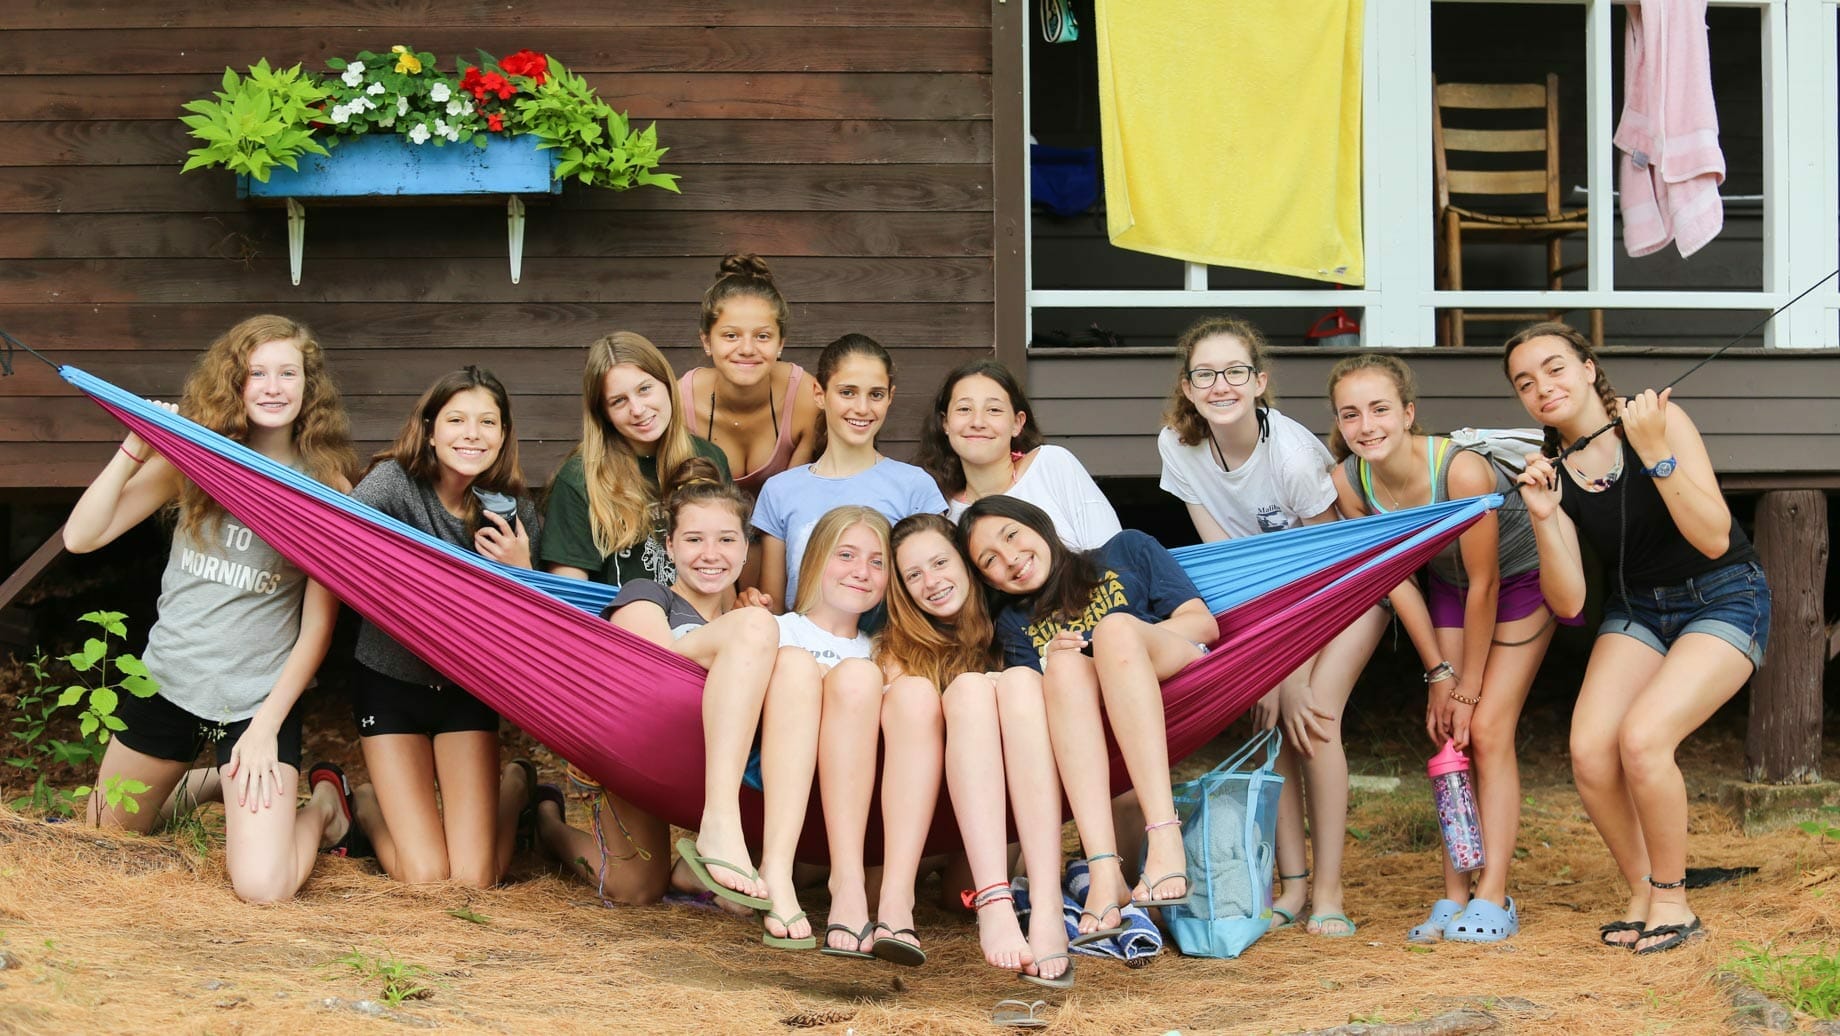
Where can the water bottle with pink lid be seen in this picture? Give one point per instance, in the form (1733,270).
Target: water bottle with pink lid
(1456,807)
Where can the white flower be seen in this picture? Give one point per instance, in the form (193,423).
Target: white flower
(440,127)
(354,73)
(453,133)
(387,121)
(456,107)
(466,106)
(439,93)
(420,133)
(374,88)
(402,105)
(340,114)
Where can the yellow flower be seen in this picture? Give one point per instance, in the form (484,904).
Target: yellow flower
(406,61)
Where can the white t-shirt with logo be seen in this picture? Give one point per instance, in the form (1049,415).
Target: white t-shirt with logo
(1285,481)
(1057,483)
(828,648)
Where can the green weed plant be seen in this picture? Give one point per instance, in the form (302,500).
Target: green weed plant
(1806,979)
(401,979)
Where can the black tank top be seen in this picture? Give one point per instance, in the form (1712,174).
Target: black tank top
(1632,511)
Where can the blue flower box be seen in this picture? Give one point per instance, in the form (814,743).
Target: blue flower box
(386,165)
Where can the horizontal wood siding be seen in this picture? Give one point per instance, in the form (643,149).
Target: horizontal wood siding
(847,141)
(1764,414)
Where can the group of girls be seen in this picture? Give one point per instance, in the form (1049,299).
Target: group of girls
(1022,623)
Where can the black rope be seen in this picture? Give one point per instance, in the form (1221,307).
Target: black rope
(7,346)
(1615,422)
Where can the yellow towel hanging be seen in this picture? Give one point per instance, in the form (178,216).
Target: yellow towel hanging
(1232,132)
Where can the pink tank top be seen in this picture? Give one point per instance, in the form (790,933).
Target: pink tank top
(782,446)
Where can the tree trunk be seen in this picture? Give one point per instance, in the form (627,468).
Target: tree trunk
(1784,743)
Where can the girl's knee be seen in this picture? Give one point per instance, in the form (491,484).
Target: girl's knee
(1491,736)
(1117,629)
(912,703)
(1643,751)
(754,629)
(422,868)
(263,881)
(854,676)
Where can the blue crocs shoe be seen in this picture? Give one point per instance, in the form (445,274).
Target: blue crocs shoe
(1442,912)
(1483,921)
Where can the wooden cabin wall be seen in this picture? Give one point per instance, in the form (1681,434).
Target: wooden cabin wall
(848,141)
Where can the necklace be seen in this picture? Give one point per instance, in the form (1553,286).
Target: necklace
(772,409)
(1601,482)
(1264,433)
(971,495)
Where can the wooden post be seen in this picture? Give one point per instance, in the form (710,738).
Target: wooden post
(1784,742)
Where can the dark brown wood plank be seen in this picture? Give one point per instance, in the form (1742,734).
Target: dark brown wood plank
(1783,743)
(1011,219)
(405,372)
(597,47)
(382,232)
(72,335)
(644,95)
(693,142)
(470,281)
(728,188)
(512,14)
(28,570)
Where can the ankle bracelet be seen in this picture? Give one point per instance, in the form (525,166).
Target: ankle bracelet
(1293,877)
(1172,822)
(980,898)
(1682,883)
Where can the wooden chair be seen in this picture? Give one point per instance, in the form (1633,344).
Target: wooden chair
(1537,220)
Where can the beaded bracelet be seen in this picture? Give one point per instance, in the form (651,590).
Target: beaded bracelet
(1454,696)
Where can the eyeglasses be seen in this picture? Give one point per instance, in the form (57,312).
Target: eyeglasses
(1238,374)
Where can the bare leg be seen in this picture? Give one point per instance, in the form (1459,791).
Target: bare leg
(270,852)
(133,812)
(1035,799)
(1700,673)
(1619,667)
(974,772)
(1498,775)
(847,737)
(1293,858)
(411,843)
(788,758)
(466,770)
(1338,665)
(913,728)
(201,784)
(1070,689)
(738,650)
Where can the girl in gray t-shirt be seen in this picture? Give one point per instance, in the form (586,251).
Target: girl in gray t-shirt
(240,630)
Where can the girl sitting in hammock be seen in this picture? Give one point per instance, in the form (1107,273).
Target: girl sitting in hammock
(939,636)
(1109,625)
(854,387)
(749,401)
(696,617)
(437,807)
(602,522)
(1487,623)
(981,439)
(824,670)
(1244,469)
(240,630)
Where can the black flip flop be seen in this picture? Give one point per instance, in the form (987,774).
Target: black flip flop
(1678,935)
(1604,932)
(897,951)
(828,949)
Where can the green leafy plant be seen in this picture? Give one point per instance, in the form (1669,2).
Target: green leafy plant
(1823,829)
(1807,979)
(598,146)
(401,980)
(96,696)
(257,122)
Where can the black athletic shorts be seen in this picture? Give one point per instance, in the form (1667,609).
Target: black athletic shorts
(158,728)
(385,705)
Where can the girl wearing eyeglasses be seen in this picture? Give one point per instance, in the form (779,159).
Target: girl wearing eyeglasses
(1243,468)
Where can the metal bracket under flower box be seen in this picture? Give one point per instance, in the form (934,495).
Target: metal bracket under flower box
(388,166)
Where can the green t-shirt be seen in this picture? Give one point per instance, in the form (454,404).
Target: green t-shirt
(568,537)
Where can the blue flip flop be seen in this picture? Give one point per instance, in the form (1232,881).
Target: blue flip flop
(1483,921)
(1432,929)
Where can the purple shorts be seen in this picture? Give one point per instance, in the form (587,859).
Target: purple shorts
(1520,597)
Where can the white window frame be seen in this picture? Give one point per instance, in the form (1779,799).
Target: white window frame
(1801,175)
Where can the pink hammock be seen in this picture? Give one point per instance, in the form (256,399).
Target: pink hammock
(629,712)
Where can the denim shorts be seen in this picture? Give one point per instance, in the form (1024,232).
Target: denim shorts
(1730,603)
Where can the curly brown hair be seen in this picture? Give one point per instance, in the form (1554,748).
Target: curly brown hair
(921,644)
(213,397)
(1581,347)
(935,455)
(1178,412)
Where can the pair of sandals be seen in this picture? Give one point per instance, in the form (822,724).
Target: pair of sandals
(1113,931)
(1674,935)
(1290,919)
(886,947)
(699,865)
(1006,892)
(1481,921)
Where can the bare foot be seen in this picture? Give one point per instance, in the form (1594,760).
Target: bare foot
(849,909)
(683,879)
(1292,896)
(1104,896)
(729,875)
(1167,864)
(785,897)
(1047,937)
(1637,912)
(1326,905)
(1000,936)
(326,797)
(1663,912)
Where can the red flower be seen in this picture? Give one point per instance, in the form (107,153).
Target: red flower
(527,63)
(470,82)
(495,122)
(499,85)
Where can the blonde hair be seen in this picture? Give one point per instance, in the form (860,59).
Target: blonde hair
(1179,413)
(823,543)
(620,503)
(213,397)
(924,645)
(1391,366)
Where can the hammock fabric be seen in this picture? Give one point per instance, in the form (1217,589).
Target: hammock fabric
(629,712)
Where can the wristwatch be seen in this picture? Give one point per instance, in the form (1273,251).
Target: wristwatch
(1662,469)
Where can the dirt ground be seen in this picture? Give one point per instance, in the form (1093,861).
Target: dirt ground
(104,933)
